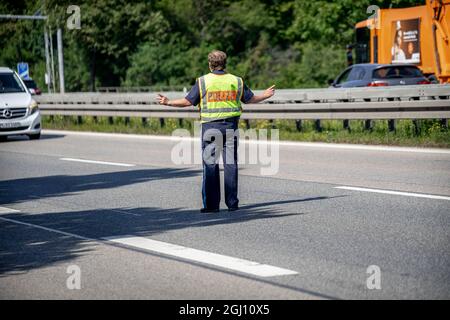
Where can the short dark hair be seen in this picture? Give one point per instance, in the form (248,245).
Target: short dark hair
(217,60)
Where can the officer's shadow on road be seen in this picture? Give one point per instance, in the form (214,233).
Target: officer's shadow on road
(19,190)
(24,247)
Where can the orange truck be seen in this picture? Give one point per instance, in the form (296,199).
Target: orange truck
(416,35)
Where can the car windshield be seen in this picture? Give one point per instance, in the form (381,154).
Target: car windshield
(30,84)
(397,72)
(10,83)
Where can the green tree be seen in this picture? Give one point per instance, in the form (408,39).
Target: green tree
(292,43)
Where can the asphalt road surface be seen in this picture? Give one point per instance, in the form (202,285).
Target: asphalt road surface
(124,216)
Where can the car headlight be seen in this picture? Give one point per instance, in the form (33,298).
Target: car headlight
(33,107)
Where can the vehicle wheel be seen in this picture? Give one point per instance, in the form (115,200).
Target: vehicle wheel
(3,138)
(433,79)
(34,136)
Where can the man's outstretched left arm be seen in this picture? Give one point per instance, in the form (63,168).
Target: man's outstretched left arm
(269,92)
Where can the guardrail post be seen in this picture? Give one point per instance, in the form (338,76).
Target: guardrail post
(391,125)
(368,124)
(416,127)
(298,125)
(272,124)
(317,125)
(346,124)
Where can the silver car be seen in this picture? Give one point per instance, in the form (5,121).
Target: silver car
(19,113)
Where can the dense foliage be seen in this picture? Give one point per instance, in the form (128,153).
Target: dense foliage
(146,43)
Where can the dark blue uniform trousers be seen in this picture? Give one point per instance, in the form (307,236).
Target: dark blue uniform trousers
(220,137)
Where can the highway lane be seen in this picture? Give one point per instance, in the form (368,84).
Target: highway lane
(424,172)
(295,220)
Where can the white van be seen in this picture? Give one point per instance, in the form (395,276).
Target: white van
(19,113)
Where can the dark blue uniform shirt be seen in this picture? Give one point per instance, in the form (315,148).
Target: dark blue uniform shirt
(193,96)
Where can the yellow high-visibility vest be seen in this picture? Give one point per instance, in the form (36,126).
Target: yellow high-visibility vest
(220,96)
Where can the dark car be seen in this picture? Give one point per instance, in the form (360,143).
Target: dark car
(32,87)
(377,75)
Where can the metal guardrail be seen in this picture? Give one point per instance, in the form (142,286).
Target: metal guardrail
(402,102)
(141,89)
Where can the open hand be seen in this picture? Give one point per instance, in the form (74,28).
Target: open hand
(269,92)
(162,99)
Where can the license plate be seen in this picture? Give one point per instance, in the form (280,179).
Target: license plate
(9,125)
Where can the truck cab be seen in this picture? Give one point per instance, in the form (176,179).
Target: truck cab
(416,35)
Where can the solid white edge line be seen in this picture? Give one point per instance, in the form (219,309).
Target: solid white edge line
(209,258)
(281,143)
(9,210)
(98,162)
(219,260)
(399,193)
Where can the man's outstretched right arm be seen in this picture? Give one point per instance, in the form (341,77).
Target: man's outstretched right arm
(180,103)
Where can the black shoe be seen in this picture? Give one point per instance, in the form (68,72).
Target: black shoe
(206,210)
(233,209)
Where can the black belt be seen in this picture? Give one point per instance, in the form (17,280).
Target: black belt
(232,119)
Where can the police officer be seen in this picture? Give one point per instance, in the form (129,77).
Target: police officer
(219,95)
(349,53)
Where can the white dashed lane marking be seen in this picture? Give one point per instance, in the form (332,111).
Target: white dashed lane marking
(226,262)
(398,193)
(99,162)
